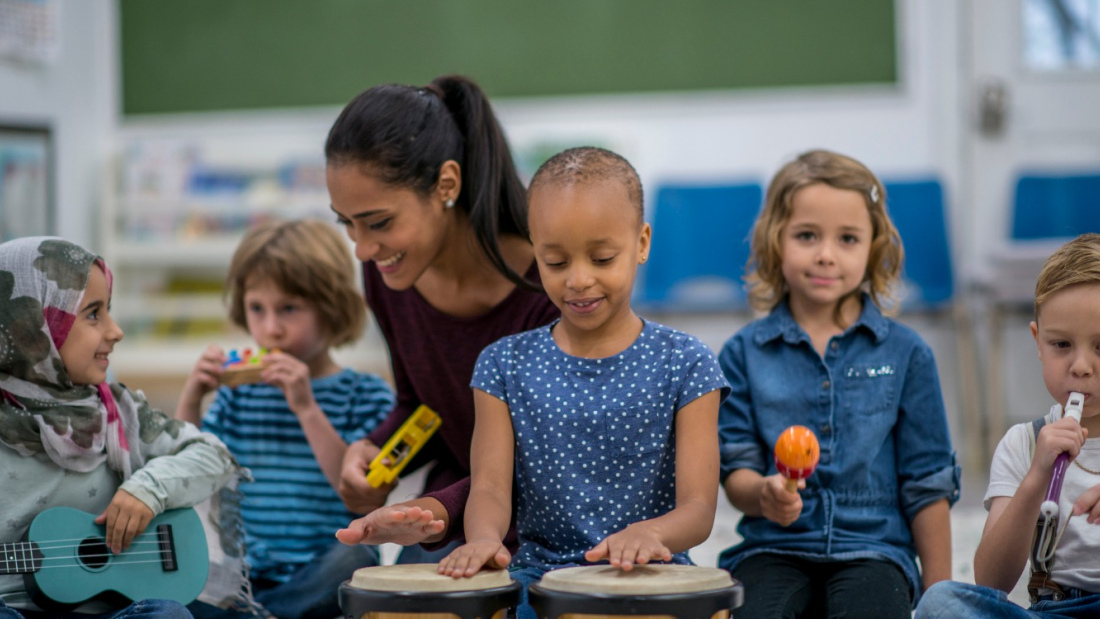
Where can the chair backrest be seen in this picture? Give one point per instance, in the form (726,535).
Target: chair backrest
(700,247)
(917,210)
(1055,206)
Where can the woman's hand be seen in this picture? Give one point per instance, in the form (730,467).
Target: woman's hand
(359,496)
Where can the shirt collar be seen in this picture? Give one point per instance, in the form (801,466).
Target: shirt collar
(780,323)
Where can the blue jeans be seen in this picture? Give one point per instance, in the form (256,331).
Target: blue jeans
(142,609)
(948,599)
(311,593)
(526,576)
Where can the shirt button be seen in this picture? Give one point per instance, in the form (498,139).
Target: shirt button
(825,385)
(833,345)
(826,429)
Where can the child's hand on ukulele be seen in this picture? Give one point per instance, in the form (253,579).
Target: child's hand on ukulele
(125,518)
(777,503)
(290,375)
(637,544)
(468,559)
(206,374)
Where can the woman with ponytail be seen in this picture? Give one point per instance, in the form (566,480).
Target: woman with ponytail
(424,183)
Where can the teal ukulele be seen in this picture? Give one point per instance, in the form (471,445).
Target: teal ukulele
(65,561)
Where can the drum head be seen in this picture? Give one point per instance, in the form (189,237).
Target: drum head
(658,579)
(422,577)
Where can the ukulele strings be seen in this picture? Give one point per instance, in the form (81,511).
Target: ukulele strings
(127,557)
(122,561)
(60,544)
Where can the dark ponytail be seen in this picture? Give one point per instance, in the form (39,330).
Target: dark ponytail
(405,134)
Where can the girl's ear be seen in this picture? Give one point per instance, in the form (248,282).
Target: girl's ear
(449,184)
(643,243)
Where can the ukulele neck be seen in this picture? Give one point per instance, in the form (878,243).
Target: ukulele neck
(20,558)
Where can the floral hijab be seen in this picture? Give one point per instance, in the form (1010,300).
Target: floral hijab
(42,283)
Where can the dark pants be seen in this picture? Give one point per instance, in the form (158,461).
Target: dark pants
(311,593)
(782,586)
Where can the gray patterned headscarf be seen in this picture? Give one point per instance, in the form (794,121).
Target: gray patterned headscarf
(42,281)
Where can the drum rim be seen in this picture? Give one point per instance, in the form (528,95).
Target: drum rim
(708,601)
(606,574)
(492,599)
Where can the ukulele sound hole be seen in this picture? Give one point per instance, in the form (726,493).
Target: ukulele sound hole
(93,553)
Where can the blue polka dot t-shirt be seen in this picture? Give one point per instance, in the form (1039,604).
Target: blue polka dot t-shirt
(595,447)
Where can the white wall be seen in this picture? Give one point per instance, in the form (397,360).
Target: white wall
(75,95)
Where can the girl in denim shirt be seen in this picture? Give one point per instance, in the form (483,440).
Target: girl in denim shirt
(824,258)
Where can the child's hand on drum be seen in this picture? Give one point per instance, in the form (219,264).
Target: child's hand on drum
(468,559)
(777,503)
(398,524)
(637,544)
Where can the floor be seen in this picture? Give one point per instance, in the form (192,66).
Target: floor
(1023,389)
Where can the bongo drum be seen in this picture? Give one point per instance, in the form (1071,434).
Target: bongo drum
(417,592)
(680,591)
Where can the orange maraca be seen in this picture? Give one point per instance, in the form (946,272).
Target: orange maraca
(796,454)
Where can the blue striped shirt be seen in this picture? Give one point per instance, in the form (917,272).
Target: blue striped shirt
(290,511)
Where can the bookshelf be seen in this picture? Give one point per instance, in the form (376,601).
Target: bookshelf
(172,213)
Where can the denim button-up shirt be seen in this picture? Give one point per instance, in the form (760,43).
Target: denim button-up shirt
(875,403)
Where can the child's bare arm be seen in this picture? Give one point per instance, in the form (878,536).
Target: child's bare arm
(203,379)
(764,497)
(292,377)
(690,522)
(489,508)
(932,537)
(1006,539)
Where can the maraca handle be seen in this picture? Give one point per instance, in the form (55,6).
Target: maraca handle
(791,484)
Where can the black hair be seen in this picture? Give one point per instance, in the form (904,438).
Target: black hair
(404,134)
(585,164)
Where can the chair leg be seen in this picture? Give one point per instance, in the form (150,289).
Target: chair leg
(995,417)
(970,387)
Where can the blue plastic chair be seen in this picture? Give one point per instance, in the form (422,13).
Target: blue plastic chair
(917,209)
(1055,206)
(700,247)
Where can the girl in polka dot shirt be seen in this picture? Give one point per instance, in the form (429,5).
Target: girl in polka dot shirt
(606,422)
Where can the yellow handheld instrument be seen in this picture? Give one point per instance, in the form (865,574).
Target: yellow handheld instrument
(402,446)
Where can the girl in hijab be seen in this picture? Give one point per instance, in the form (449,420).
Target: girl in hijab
(70,438)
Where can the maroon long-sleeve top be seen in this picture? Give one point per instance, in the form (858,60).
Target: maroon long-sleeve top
(433,356)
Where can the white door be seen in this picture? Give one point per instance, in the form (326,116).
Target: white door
(1034,105)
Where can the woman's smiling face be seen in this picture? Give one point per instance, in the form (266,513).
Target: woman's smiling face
(400,230)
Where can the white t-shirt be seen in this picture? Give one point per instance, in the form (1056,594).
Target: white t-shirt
(1077,557)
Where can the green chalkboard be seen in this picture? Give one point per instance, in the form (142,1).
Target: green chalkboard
(197,55)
